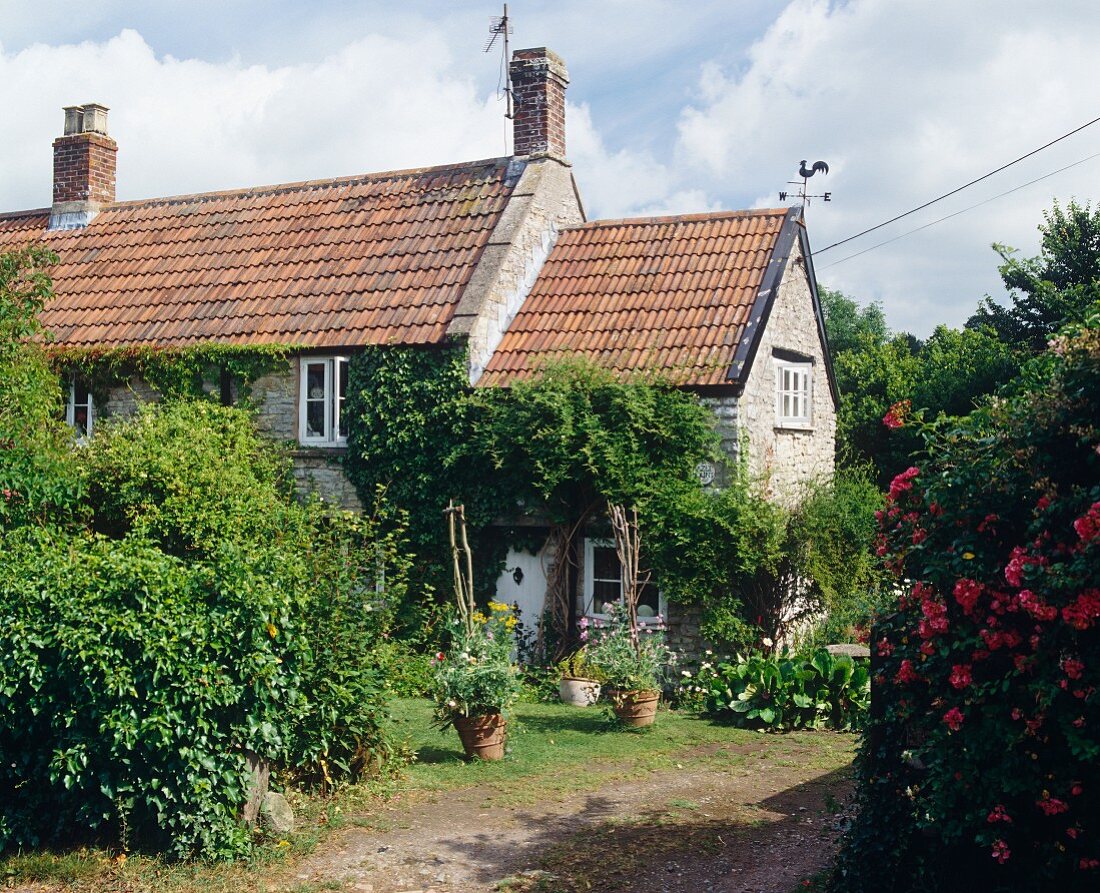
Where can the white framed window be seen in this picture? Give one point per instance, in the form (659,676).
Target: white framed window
(603,583)
(322,392)
(80,409)
(793,394)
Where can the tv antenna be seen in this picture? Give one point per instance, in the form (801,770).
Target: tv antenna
(818,167)
(501,26)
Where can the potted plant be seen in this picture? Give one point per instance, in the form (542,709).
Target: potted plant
(632,659)
(580,683)
(476,682)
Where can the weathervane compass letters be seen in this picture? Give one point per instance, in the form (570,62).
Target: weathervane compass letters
(818,167)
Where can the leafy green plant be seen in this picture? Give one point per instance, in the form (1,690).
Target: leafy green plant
(38,479)
(476,675)
(578,665)
(625,657)
(777,690)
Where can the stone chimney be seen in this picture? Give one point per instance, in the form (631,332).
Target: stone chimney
(539,79)
(83,167)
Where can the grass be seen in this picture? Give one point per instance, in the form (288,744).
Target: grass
(554,751)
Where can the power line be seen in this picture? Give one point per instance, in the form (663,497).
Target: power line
(962,211)
(960,188)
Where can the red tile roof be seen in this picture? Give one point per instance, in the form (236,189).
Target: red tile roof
(380,258)
(662,293)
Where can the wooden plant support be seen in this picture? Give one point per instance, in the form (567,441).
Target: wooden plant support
(628,546)
(463,564)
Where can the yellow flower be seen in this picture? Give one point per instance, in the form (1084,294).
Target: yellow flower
(272,630)
(968,556)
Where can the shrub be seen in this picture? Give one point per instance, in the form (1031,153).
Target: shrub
(222,619)
(131,686)
(774,690)
(355,573)
(189,475)
(981,764)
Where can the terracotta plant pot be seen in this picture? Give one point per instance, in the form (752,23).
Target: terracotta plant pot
(482,736)
(636,708)
(578,692)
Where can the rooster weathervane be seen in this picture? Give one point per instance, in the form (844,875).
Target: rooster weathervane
(818,167)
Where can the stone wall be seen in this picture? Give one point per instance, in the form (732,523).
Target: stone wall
(784,460)
(726,411)
(320,471)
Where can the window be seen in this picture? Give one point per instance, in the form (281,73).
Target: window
(324,387)
(80,410)
(603,583)
(793,393)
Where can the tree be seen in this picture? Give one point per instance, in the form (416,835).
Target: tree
(847,325)
(1052,289)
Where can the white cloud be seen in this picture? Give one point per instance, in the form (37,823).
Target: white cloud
(186,125)
(906,99)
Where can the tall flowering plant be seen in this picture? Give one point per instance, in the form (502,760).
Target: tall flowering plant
(628,656)
(983,748)
(476,675)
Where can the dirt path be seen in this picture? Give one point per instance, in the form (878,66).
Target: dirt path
(732,820)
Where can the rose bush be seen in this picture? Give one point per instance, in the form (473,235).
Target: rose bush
(981,764)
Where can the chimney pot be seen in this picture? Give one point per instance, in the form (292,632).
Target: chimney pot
(95,118)
(74,119)
(539,79)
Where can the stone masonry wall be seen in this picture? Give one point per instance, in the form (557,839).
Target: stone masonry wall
(786,459)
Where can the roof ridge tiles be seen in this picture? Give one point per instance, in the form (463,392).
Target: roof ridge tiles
(701,217)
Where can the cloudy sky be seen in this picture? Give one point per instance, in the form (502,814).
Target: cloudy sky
(674,107)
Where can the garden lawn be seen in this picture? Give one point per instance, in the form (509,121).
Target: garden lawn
(686,783)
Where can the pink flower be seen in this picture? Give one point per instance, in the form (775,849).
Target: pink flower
(440,656)
(1073,668)
(1088,525)
(1081,614)
(1051,805)
(903,482)
(954,719)
(884,648)
(1001,852)
(960,675)
(999,815)
(906,674)
(967,593)
(895,416)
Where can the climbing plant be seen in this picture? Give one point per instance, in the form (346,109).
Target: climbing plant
(190,371)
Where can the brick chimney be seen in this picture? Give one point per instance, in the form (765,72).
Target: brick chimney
(539,79)
(83,167)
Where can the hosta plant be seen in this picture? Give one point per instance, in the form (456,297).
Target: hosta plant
(778,690)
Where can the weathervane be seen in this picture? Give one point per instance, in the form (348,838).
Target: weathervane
(818,167)
(502,26)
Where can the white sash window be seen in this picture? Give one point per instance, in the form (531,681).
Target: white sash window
(323,390)
(793,394)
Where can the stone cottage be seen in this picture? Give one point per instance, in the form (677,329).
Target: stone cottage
(494,253)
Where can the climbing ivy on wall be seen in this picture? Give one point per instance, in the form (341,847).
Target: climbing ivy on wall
(410,420)
(172,372)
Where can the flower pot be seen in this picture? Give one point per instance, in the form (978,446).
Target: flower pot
(482,736)
(636,708)
(578,692)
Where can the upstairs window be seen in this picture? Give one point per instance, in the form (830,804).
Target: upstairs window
(793,394)
(80,410)
(603,583)
(324,388)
